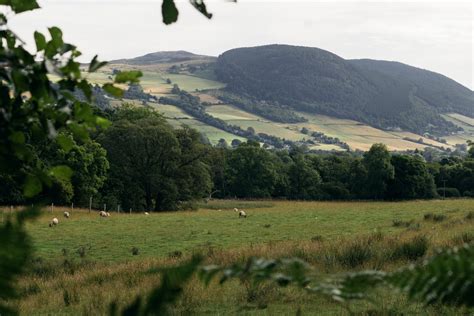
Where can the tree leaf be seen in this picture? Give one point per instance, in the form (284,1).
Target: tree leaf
(113,90)
(19,6)
(102,122)
(61,172)
(201,7)
(32,186)
(56,37)
(86,89)
(96,65)
(40,40)
(169,12)
(17,137)
(65,141)
(128,76)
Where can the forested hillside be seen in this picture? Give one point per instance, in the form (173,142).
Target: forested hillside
(383,94)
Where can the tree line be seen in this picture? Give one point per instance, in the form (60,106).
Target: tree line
(142,163)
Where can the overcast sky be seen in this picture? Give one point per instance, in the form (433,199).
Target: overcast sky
(435,35)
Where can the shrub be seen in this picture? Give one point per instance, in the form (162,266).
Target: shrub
(468,193)
(439,217)
(354,255)
(434,217)
(428,216)
(449,192)
(464,238)
(411,250)
(401,223)
(317,238)
(81,251)
(175,254)
(135,251)
(470,215)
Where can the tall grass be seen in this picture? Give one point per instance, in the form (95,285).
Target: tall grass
(75,285)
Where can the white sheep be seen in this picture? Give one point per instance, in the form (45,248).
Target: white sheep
(66,214)
(146,213)
(103,214)
(107,214)
(241,212)
(54,222)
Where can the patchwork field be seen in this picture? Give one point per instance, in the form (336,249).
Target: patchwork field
(86,262)
(356,135)
(464,122)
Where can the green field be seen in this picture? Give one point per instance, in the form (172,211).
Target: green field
(159,234)
(85,263)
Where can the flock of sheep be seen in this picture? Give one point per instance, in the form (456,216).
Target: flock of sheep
(55,220)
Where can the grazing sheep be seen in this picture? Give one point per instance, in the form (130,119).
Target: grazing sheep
(103,214)
(236,209)
(146,213)
(54,222)
(66,214)
(242,214)
(107,214)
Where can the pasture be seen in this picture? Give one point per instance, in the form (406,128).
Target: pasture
(86,262)
(157,235)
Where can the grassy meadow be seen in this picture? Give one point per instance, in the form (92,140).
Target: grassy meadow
(86,262)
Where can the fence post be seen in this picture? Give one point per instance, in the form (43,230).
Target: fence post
(11,209)
(90,204)
(130,211)
(72,207)
(52,205)
(105,207)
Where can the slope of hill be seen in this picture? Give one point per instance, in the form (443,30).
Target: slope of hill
(382,94)
(162,57)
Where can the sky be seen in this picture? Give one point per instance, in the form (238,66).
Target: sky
(433,35)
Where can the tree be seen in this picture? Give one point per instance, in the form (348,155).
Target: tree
(235,143)
(141,153)
(153,166)
(412,179)
(379,170)
(222,143)
(304,181)
(471,149)
(251,171)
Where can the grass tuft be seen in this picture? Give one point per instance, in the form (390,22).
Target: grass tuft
(411,250)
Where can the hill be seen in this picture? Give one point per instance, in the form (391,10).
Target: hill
(387,95)
(162,57)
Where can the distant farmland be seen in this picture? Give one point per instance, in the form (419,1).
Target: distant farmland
(355,134)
